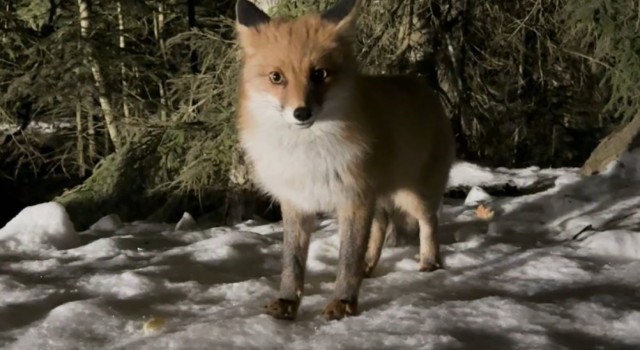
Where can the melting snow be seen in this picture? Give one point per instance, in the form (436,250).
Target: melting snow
(556,269)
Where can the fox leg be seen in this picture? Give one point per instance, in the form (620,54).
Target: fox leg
(425,211)
(376,241)
(297,231)
(430,258)
(355,228)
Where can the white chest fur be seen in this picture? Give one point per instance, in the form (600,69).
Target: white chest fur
(307,167)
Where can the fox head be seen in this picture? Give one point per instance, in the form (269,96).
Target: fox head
(296,71)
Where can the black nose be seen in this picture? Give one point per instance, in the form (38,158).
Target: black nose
(302,113)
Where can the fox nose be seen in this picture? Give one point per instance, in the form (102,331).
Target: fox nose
(302,113)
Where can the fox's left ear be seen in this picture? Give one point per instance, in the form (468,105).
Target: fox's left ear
(343,14)
(250,15)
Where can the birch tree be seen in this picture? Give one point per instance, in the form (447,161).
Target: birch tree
(123,70)
(84,7)
(158,30)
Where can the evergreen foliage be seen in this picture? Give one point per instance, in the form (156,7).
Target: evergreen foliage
(526,82)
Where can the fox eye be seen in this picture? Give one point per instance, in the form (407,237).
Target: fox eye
(276,78)
(319,75)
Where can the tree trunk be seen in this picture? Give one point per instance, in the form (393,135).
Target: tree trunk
(5,23)
(91,133)
(123,71)
(105,104)
(80,139)
(612,147)
(191,15)
(158,31)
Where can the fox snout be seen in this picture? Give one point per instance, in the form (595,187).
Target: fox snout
(302,101)
(302,114)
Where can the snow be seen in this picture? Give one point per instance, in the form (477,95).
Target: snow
(615,242)
(37,126)
(476,196)
(107,223)
(45,225)
(556,269)
(469,174)
(187,222)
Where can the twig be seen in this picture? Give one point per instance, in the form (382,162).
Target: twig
(522,23)
(588,58)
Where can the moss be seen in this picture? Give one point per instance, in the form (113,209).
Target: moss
(159,172)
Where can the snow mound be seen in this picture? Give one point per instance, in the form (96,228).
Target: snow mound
(107,223)
(620,243)
(627,166)
(45,225)
(187,222)
(73,325)
(14,292)
(221,246)
(464,174)
(476,196)
(121,286)
(100,249)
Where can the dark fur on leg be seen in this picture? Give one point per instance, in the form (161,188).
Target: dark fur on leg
(355,228)
(297,230)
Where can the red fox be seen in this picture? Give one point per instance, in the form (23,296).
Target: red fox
(324,138)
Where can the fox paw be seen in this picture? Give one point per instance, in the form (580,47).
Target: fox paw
(282,309)
(429,266)
(368,271)
(370,264)
(338,309)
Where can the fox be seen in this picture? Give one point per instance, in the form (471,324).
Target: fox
(323,137)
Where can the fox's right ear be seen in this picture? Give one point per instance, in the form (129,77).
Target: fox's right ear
(249,15)
(343,14)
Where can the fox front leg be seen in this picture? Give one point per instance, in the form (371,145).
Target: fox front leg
(297,230)
(355,227)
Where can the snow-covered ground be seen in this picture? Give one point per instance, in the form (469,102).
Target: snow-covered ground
(557,269)
(42,127)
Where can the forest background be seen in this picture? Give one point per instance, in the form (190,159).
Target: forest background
(127,106)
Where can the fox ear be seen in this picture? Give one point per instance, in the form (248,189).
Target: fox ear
(250,15)
(343,14)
